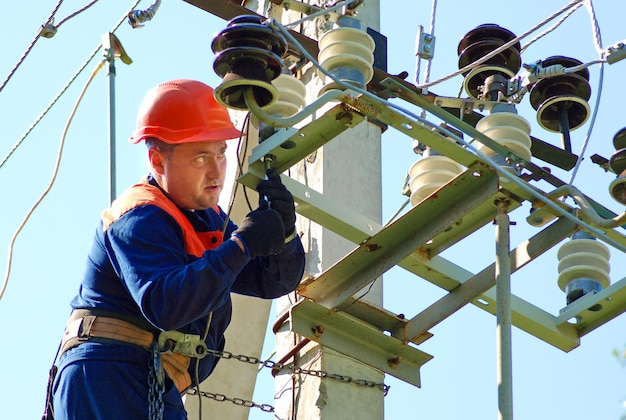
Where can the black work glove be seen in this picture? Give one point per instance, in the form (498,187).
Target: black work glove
(279,198)
(262,232)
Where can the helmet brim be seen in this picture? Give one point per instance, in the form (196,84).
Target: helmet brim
(184,136)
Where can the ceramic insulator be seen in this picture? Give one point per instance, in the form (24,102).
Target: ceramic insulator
(430,173)
(291,96)
(348,54)
(509,130)
(583,259)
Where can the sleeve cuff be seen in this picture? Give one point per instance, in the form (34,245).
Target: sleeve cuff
(290,237)
(245,245)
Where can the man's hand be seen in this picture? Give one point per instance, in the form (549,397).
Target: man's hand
(262,232)
(279,198)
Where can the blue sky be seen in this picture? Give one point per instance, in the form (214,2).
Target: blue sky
(460,382)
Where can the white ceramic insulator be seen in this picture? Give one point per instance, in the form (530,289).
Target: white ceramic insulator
(291,96)
(430,173)
(347,47)
(583,259)
(508,129)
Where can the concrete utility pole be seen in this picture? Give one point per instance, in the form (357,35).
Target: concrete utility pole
(348,170)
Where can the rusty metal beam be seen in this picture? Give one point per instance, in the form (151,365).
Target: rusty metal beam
(485,280)
(383,250)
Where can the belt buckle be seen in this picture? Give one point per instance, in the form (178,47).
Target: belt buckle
(186,344)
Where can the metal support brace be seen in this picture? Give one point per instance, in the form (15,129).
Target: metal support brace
(476,289)
(594,309)
(291,146)
(352,337)
(383,250)
(503,312)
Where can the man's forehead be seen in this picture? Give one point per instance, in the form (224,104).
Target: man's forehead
(206,146)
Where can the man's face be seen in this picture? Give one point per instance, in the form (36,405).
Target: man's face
(193,173)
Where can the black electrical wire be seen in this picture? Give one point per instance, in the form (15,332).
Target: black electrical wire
(61,92)
(47,26)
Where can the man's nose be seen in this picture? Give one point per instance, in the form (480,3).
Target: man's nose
(213,166)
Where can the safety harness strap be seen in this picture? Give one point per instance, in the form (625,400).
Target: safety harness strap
(97,328)
(176,365)
(82,329)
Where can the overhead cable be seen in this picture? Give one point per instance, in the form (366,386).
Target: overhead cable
(597,38)
(79,11)
(47,30)
(432,32)
(552,28)
(61,92)
(502,47)
(30,47)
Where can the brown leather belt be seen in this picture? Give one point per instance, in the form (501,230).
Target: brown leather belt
(83,328)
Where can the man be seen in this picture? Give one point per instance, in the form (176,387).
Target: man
(162,265)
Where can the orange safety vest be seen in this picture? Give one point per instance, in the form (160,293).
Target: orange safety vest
(140,194)
(175,365)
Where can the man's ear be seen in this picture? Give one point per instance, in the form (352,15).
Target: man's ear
(156,159)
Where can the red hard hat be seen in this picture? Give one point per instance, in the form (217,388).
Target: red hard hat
(183,111)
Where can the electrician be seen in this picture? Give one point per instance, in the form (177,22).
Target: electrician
(162,265)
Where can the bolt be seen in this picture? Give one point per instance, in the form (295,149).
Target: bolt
(394,362)
(371,247)
(317,330)
(345,118)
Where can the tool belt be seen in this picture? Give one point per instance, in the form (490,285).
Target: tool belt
(175,347)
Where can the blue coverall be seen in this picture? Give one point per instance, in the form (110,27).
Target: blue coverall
(138,268)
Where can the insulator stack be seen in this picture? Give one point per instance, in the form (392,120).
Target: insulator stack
(618,165)
(430,173)
(498,69)
(347,53)
(508,129)
(561,100)
(583,266)
(248,55)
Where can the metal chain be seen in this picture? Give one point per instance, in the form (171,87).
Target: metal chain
(297,370)
(237,401)
(277,366)
(156,384)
